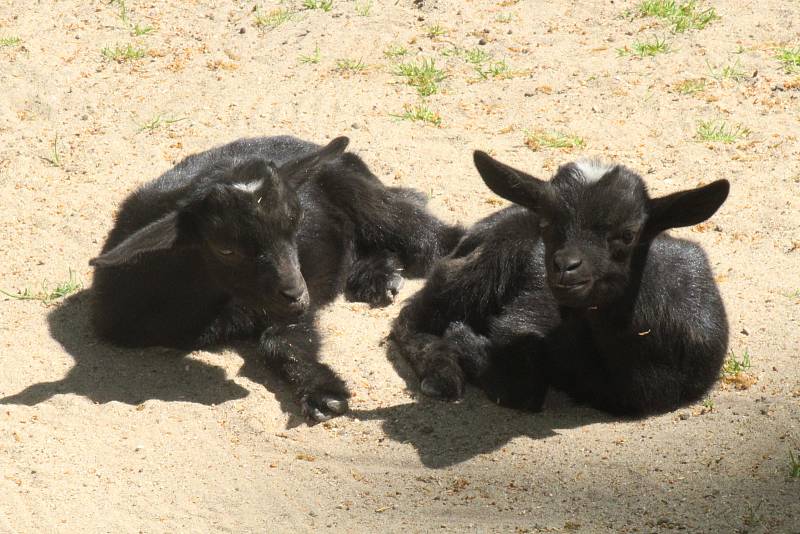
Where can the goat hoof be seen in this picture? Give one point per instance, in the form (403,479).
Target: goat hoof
(320,407)
(392,288)
(394,284)
(376,283)
(445,384)
(384,289)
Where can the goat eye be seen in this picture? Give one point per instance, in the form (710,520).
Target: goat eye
(627,237)
(225,251)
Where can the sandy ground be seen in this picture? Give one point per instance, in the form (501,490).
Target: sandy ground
(98,439)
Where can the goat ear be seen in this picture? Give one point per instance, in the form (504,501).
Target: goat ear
(685,208)
(299,168)
(158,235)
(507,182)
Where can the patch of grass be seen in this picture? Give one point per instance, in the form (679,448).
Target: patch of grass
(123,10)
(646,48)
(312,58)
(476,56)
(732,72)
(46,295)
(55,154)
(157,122)
(10,41)
(538,139)
(790,57)
(395,50)
(363,9)
(681,16)
(420,113)
(324,5)
(272,19)
(435,31)
(656,8)
(691,86)
(452,51)
(505,18)
(423,76)
(690,19)
(752,518)
(495,69)
(122,54)
(138,30)
(482,63)
(351,66)
(720,131)
(708,403)
(734,365)
(794,465)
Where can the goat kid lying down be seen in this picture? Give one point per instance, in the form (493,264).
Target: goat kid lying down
(576,287)
(248,240)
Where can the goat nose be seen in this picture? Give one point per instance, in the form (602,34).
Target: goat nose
(293,294)
(567,261)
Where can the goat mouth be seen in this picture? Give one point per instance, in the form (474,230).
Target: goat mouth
(572,287)
(297,308)
(572,294)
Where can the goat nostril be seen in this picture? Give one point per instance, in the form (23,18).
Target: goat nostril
(293,295)
(567,263)
(572,264)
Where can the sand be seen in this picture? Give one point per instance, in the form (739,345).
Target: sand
(99,439)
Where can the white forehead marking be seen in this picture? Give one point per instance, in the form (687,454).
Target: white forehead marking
(591,170)
(250,187)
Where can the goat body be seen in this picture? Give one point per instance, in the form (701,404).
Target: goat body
(248,240)
(576,288)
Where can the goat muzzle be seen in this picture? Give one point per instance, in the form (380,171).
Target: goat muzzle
(296,298)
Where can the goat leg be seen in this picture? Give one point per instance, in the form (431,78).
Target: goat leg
(320,392)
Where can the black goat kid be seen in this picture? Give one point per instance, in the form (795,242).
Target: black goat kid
(575,288)
(247,240)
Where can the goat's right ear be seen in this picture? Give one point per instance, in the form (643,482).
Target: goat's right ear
(309,161)
(508,182)
(685,208)
(158,235)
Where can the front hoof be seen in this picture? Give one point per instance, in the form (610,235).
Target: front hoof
(444,382)
(393,286)
(376,281)
(382,289)
(323,405)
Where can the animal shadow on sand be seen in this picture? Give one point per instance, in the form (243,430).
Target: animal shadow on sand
(105,373)
(445,433)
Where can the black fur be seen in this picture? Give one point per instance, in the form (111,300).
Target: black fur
(247,241)
(576,288)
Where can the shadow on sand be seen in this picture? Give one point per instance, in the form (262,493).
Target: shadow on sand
(442,433)
(104,373)
(446,434)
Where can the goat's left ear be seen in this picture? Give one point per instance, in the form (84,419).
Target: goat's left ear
(685,208)
(508,182)
(299,168)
